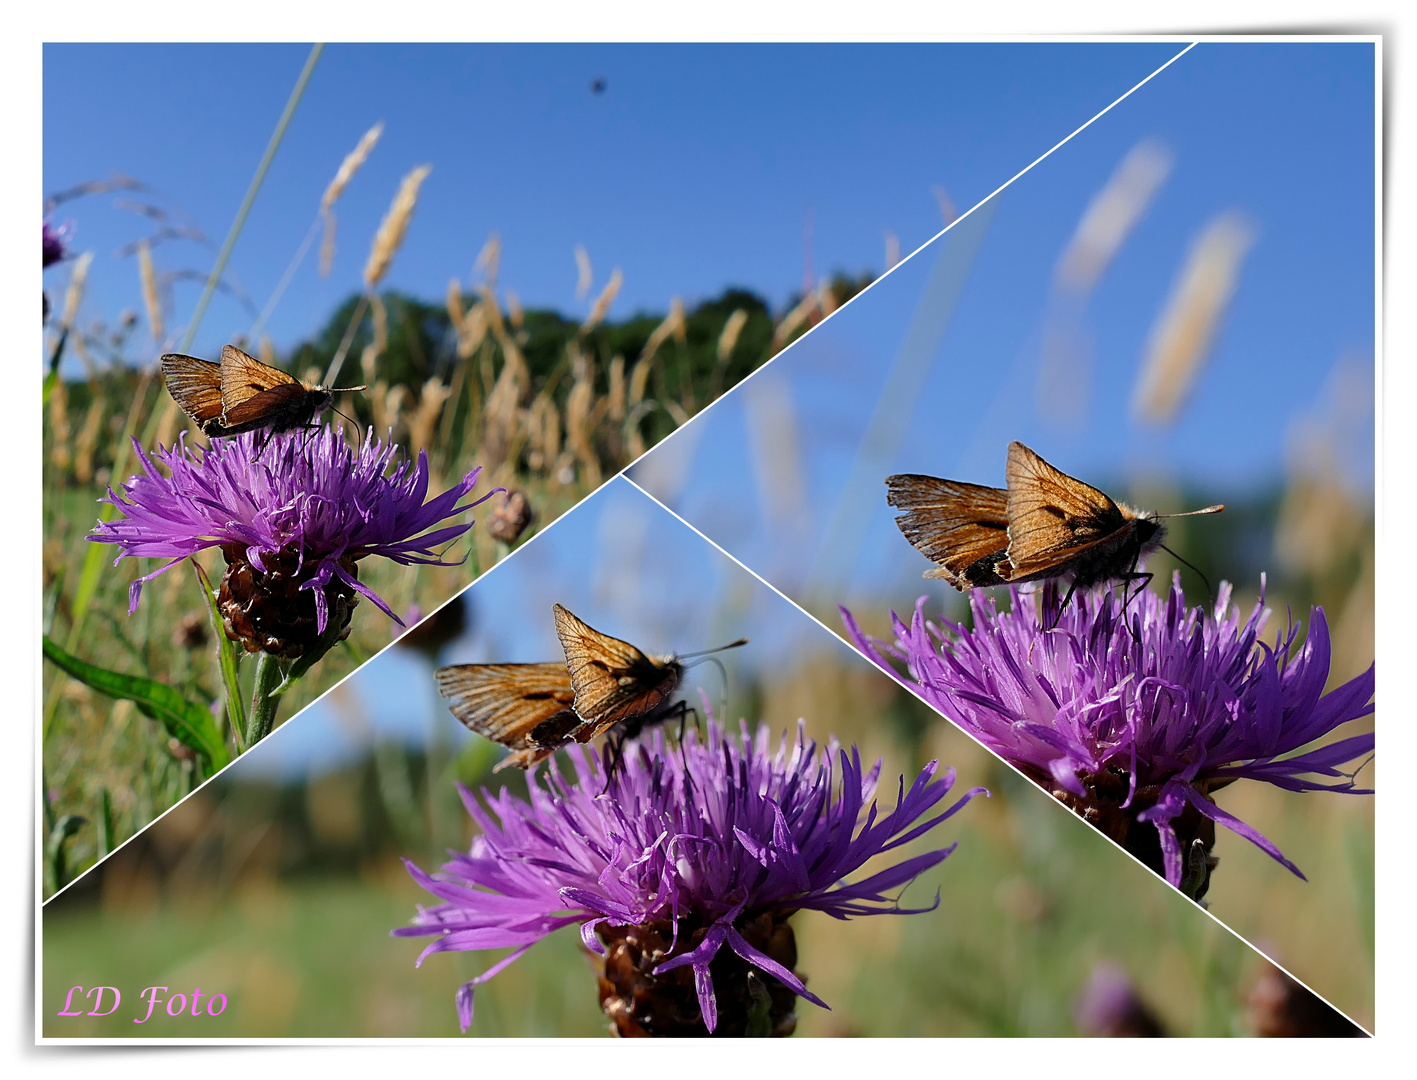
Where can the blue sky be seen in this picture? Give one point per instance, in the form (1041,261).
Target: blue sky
(1281,134)
(620,563)
(694,170)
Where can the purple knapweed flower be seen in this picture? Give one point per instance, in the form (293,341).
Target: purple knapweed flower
(293,512)
(687,850)
(1137,719)
(55,243)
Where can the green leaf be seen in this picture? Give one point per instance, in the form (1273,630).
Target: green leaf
(50,382)
(226,653)
(188,722)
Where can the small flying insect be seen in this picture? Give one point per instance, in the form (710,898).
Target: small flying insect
(1045,524)
(535,709)
(242,394)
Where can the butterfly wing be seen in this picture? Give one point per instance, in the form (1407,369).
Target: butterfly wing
(279,407)
(525,707)
(195,385)
(244,377)
(1052,516)
(962,527)
(613,680)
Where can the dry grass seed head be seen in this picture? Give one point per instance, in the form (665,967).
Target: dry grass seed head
(488,259)
(327,245)
(150,296)
(454,305)
(472,332)
(395,224)
(670,326)
(430,406)
(604,300)
(349,166)
(681,324)
(1182,334)
(792,320)
(728,339)
(617,389)
(584,277)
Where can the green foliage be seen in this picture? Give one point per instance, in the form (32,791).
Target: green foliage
(189,723)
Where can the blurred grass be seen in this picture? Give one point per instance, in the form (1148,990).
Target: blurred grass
(282,896)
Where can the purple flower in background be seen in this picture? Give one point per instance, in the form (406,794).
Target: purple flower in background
(1109,1007)
(682,874)
(1136,720)
(293,513)
(55,243)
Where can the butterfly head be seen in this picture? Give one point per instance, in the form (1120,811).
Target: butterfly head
(1146,527)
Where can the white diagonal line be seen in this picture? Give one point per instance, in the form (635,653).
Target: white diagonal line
(1027,168)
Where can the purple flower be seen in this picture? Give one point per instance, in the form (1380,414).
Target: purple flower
(1109,1007)
(689,850)
(1139,718)
(55,242)
(292,510)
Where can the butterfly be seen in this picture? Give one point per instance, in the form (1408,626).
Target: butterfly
(1045,524)
(242,394)
(535,709)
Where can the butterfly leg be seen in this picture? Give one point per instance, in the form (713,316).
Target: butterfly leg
(1064,605)
(261,439)
(1143,580)
(684,710)
(614,747)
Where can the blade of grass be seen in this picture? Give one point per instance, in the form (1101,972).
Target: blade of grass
(189,722)
(88,580)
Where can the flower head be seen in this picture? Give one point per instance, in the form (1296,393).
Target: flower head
(55,243)
(293,513)
(687,851)
(1137,718)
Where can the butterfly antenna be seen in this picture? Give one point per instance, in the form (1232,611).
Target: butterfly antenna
(351,419)
(1193,513)
(710,652)
(1193,567)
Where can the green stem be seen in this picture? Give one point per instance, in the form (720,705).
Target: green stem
(250,198)
(338,362)
(263,703)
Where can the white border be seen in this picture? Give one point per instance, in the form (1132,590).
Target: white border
(733,20)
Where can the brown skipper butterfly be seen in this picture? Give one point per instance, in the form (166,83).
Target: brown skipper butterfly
(1046,524)
(535,709)
(243,394)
